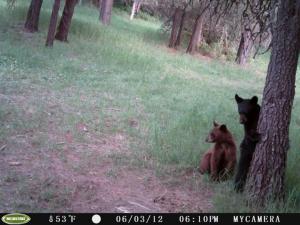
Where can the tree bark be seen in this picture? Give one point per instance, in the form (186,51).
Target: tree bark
(196,35)
(175,27)
(244,49)
(65,21)
(179,35)
(138,7)
(105,11)
(52,24)
(267,172)
(133,9)
(33,15)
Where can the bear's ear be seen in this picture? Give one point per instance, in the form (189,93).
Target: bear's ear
(254,100)
(215,123)
(238,99)
(223,128)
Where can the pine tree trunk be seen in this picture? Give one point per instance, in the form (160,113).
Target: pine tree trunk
(105,11)
(179,35)
(267,172)
(197,32)
(244,49)
(175,27)
(65,21)
(33,14)
(52,24)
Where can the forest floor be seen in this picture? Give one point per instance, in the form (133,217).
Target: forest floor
(114,121)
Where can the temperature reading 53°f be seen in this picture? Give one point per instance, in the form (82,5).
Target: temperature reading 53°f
(62,218)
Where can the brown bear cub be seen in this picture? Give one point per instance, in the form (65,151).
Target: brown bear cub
(220,160)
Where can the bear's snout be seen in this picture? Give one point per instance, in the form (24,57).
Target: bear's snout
(243,119)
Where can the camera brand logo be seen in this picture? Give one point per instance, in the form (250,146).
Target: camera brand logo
(15,218)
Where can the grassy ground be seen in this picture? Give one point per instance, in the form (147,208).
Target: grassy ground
(119,79)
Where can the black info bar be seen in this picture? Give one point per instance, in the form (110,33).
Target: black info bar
(152,218)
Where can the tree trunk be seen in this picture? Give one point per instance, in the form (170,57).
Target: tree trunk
(133,10)
(244,49)
(52,24)
(138,7)
(196,35)
(33,14)
(65,21)
(175,27)
(179,35)
(105,11)
(267,172)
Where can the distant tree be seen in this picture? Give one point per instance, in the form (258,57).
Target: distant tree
(176,22)
(247,32)
(197,26)
(33,14)
(196,35)
(267,172)
(105,11)
(244,48)
(136,5)
(180,31)
(65,21)
(256,27)
(177,19)
(53,23)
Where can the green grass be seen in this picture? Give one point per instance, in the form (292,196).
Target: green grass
(120,73)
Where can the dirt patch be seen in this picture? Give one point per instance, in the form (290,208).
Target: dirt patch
(100,186)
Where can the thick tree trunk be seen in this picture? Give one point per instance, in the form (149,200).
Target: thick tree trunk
(105,11)
(65,21)
(175,27)
(267,172)
(33,14)
(244,49)
(52,24)
(179,35)
(196,35)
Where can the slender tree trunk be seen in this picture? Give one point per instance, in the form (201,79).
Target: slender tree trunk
(133,10)
(105,11)
(138,7)
(179,35)
(175,27)
(65,21)
(197,32)
(267,172)
(244,49)
(52,24)
(33,14)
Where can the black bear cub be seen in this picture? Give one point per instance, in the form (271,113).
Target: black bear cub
(249,112)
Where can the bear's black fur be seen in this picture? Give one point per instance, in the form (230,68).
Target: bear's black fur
(249,112)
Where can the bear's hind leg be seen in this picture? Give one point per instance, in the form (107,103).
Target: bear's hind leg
(243,167)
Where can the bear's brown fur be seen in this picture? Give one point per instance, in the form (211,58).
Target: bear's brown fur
(220,160)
